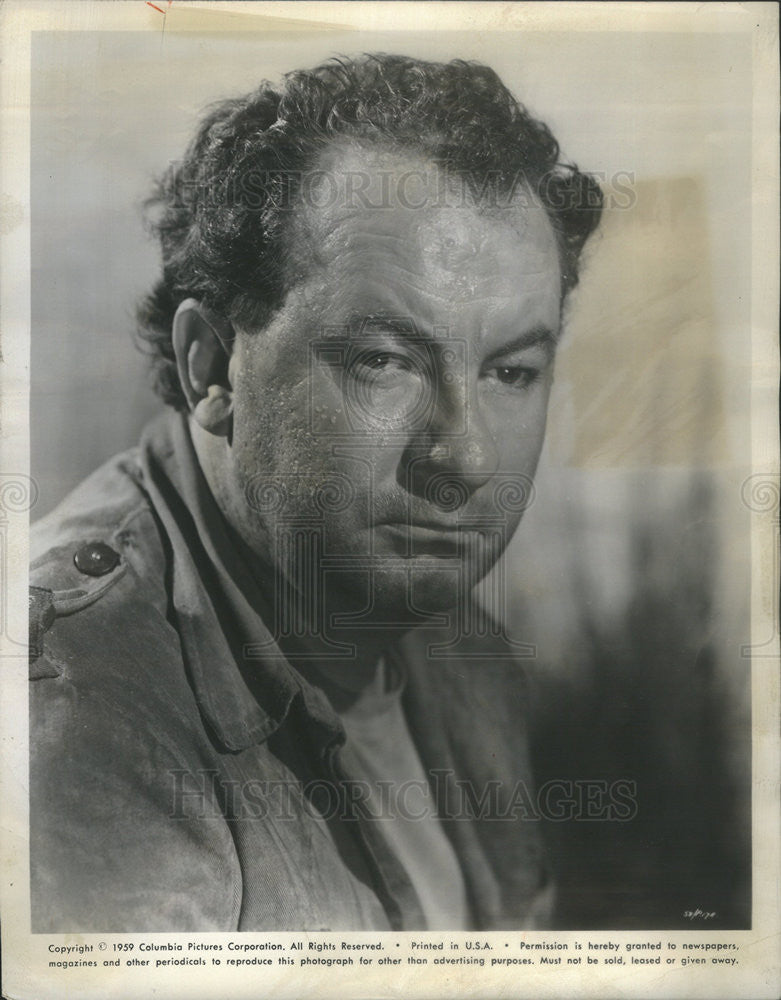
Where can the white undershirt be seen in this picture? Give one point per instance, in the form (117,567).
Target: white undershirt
(380,748)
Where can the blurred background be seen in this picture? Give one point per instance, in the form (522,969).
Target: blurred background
(630,573)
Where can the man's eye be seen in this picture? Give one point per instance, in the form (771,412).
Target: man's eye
(380,364)
(517,376)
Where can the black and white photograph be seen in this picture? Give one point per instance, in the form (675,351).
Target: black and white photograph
(401,412)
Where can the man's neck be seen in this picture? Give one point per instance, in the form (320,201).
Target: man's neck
(305,631)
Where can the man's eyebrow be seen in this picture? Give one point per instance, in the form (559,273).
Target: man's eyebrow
(539,334)
(403,326)
(406,327)
(369,324)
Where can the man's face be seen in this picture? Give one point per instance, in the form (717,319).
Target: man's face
(389,419)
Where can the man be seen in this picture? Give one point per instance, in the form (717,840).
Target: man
(262,697)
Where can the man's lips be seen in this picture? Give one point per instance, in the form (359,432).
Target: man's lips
(431,537)
(431,526)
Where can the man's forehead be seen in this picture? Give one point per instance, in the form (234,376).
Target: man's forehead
(391,202)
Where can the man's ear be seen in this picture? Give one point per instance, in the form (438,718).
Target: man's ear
(202,343)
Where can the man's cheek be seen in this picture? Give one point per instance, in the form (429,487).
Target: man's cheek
(520,452)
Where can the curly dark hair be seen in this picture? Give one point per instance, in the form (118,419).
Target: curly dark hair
(222,213)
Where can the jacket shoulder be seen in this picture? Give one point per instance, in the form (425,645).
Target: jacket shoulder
(103,535)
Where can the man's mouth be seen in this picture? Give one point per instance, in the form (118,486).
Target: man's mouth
(440,526)
(428,537)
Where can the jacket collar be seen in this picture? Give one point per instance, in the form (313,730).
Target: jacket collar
(244,686)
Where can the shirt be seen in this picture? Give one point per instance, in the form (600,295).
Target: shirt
(384,757)
(184,777)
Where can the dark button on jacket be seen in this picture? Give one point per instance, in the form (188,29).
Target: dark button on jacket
(95,558)
(178,762)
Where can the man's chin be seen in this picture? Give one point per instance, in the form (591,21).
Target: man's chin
(410,593)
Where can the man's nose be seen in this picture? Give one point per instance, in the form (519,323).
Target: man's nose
(456,452)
